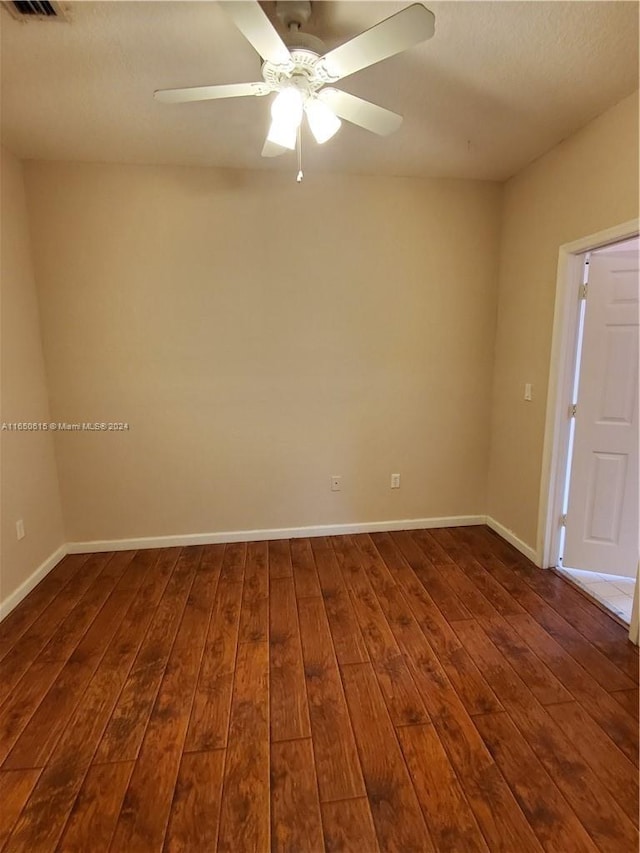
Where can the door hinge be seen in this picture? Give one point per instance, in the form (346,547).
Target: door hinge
(573,408)
(563,521)
(582,293)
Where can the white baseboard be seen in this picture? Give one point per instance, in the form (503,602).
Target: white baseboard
(278,533)
(512,539)
(44,568)
(25,588)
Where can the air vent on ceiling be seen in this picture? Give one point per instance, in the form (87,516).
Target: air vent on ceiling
(30,10)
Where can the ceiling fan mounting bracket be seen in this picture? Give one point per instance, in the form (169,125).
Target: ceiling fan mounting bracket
(293,13)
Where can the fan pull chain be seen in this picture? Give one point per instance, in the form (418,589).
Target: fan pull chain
(300,174)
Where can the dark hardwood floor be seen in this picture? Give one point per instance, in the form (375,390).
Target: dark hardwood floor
(414,691)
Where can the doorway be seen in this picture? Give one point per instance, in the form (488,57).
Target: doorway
(591,533)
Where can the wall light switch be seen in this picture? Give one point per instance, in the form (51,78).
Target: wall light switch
(336,483)
(527,391)
(395,481)
(20,528)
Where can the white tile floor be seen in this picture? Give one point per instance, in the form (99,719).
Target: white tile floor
(613,591)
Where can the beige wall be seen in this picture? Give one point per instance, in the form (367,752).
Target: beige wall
(29,489)
(260,336)
(586,184)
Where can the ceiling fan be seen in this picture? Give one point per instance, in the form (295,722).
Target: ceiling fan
(301,72)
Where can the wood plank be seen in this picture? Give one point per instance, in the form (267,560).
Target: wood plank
(15,789)
(618,775)
(198,613)
(547,811)
(485,583)
(245,816)
(295,808)
(376,570)
(24,701)
(431,578)
(67,637)
(348,827)
(321,543)
(287,691)
(93,818)
(468,593)
(498,814)
(23,616)
(568,616)
(18,660)
(411,610)
(280,559)
(233,562)
(125,731)
(33,746)
(70,707)
(143,819)
(347,638)
(44,817)
(195,813)
(620,726)
(254,614)
(304,569)
(599,813)
(394,806)
(400,693)
(446,810)
(600,668)
(442,545)
(434,625)
(629,700)
(212,558)
(596,625)
(547,689)
(39,737)
(607,674)
(208,727)
(107,621)
(336,759)
(153,569)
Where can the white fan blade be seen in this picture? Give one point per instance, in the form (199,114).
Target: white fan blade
(210,93)
(363,113)
(271,149)
(254,25)
(399,32)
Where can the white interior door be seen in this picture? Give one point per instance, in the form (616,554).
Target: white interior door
(602,517)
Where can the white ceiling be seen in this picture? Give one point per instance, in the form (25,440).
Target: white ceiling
(498,85)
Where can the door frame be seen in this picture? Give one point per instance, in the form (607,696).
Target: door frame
(561,374)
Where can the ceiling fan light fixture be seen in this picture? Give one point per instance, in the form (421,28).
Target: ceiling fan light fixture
(324,123)
(283,134)
(287,107)
(286,115)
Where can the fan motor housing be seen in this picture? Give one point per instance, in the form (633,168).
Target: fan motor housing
(297,40)
(304,66)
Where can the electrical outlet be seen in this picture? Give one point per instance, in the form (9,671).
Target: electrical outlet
(395,481)
(20,528)
(336,483)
